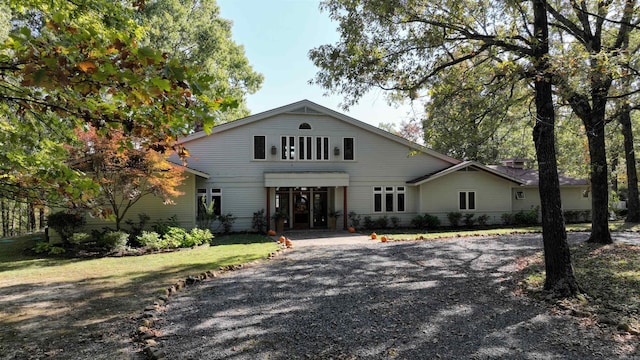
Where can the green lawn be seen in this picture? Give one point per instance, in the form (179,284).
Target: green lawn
(68,297)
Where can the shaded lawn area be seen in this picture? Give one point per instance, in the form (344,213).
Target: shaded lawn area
(50,306)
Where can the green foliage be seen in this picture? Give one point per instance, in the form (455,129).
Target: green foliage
(114,240)
(468,219)
(454,218)
(177,237)
(226,221)
(174,238)
(201,236)
(79,238)
(66,223)
(483,219)
(163,226)
(368,222)
(49,249)
(529,217)
(425,221)
(259,221)
(395,222)
(381,222)
(507,218)
(206,213)
(150,240)
(354,219)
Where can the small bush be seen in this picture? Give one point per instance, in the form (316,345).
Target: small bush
(468,219)
(483,219)
(425,221)
(177,237)
(66,223)
(259,221)
(529,217)
(381,222)
(226,221)
(368,222)
(135,229)
(201,236)
(114,240)
(354,219)
(151,240)
(395,222)
(571,216)
(454,218)
(79,238)
(507,219)
(163,226)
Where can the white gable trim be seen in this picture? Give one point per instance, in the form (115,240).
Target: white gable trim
(311,109)
(464,165)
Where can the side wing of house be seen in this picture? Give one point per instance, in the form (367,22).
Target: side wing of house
(308,162)
(575,198)
(468,190)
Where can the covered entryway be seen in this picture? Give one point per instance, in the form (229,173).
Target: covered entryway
(306,198)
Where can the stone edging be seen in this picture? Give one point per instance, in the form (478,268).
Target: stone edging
(146,332)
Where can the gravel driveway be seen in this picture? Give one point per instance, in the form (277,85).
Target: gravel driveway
(449,299)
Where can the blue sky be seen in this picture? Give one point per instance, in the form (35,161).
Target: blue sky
(277,36)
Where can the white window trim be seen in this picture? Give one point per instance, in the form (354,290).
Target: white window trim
(266,148)
(520,195)
(328,149)
(475,200)
(383,192)
(354,148)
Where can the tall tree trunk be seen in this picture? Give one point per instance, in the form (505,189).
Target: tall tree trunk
(560,280)
(600,233)
(633,201)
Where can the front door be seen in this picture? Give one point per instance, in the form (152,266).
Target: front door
(301,209)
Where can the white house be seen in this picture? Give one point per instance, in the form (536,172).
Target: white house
(309,161)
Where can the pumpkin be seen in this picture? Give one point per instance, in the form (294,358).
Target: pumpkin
(271,232)
(288,243)
(282,239)
(351,229)
(383,239)
(374,236)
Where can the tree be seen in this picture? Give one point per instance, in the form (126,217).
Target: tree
(402,47)
(124,174)
(67,65)
(595,48)
(193,32)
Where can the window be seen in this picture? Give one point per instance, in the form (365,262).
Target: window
(216,198)
(389,199)
(348,149)
(305,148)
(259,147)
(322,148)
(208,202)
(304,126)
(288,148)
(520,195)
(467,200)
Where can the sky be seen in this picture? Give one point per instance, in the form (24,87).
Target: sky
(277,36)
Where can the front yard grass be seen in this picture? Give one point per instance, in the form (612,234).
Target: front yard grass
(68,296)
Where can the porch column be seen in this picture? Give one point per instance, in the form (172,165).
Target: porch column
(268,212)
(344,207)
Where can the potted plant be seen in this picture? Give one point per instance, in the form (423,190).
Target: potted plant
(279,217)
(333,217)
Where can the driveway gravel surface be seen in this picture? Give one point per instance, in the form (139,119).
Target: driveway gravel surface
(362,299)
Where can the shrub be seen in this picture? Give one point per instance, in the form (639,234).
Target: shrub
(163,226)
(507,218)
(368,222)
(135,229)
(483,219)
(259,221)
(354,219)
(201,236)
(226,221)
(395,222)
(454,218)
(468,219)
(425,221)
(114,240)
(571,216)
(529,217)
(150,240)
(177,237)
(66,223)
(79,238)
(381,222)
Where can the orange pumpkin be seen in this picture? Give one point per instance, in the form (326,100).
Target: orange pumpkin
(374,236)
(383,239)
(282,239)
(351,229)
(271,232)
(288,243)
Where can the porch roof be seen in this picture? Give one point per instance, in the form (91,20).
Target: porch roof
(306,179)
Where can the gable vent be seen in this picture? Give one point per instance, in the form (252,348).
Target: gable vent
(304,110)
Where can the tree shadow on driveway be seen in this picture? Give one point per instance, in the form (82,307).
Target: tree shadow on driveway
(411,300)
